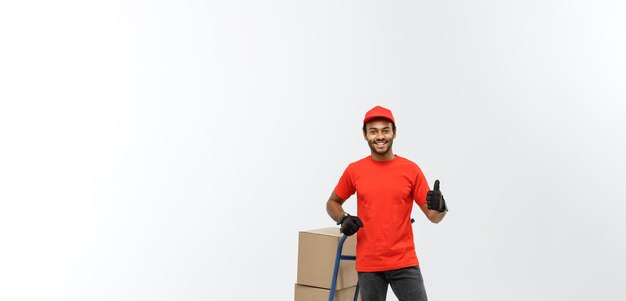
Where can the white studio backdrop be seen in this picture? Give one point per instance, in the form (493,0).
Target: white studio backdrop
(172,150)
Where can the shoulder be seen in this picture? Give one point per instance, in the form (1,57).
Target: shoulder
(360,162)
(358,165)
(408,164)
(405,161)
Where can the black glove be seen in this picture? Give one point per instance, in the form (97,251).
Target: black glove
(350,224)
(435,200)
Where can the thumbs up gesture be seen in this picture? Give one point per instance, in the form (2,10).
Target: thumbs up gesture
(435,200)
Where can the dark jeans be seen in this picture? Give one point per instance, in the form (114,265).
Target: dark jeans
(407,284)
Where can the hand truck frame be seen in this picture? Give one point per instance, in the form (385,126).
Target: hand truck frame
(338,258)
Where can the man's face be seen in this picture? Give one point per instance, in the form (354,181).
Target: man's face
(379,135)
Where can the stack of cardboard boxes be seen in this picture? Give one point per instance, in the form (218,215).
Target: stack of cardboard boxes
(317,250)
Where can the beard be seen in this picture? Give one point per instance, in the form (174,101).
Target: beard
(380,150)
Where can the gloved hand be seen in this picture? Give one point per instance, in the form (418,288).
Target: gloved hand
(435,200)
(350,224)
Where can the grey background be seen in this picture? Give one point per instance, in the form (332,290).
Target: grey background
(172,150)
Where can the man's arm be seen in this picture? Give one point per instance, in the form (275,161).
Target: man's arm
(433,215)
(349,224)
(435,207)
(334,208)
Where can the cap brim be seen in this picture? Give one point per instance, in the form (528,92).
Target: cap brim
(379,117)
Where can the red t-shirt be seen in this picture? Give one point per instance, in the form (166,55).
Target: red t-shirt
(385,193)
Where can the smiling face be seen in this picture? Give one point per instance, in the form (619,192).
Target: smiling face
(379,134)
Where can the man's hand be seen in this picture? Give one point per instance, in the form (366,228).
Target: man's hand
(350,224)
(435,200)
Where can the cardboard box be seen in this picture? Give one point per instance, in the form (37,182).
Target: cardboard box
(309,293)
(317,250)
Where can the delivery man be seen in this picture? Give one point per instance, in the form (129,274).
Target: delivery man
(386,186)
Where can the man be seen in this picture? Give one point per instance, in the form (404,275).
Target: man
(386,186)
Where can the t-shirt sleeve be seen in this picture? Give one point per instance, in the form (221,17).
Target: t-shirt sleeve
(345,187)
(420,188)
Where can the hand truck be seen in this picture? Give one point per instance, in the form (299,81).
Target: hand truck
(338,259)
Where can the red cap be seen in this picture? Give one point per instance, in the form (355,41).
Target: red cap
(377,112)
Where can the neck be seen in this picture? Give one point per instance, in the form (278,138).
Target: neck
(383,157)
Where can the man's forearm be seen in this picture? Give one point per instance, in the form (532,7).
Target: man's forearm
(335,210)
(436,216)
